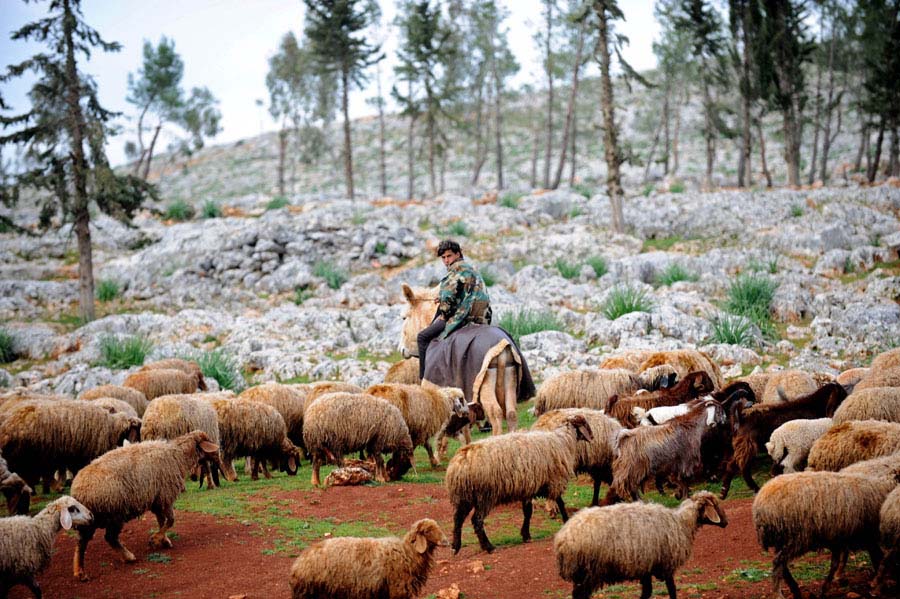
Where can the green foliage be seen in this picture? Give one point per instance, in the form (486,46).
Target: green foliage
(732,329)
(661,244)
(277,203)
(457,228)
(301,294)
(380,247)
(624,299)
(567,270)
(179,210)
(107,290)
(770,266)
(510,199)
(210,210)
(648,189)
(576,211)
(489,278)
(6,347)
(334,276)
(673,273)
(583,189)
(677,187)
(751,296)
(119,353)
(158,558)
(221,366)
(796,210)
(525,322)
(598,263)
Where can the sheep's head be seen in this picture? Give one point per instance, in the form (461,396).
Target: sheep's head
(709,510)
(72,513)
(582,428)
(399,464)
(290,457)
(208,457)
(457,399)
(426,534)
(18,494)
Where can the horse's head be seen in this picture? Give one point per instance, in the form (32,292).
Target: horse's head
(419,313)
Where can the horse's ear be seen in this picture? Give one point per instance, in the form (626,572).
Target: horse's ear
(408,293)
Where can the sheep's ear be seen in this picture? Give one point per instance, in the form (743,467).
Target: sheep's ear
(711,514)
(65,518)
(420,542)
(208,447)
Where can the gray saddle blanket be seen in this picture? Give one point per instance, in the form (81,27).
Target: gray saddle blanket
(459,360)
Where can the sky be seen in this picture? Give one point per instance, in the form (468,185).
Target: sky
(226,44)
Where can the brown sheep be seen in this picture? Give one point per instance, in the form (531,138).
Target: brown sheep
(855,441)
(319,389)
(685,361)
(156,383)
(584,389)
(786,385)
(288,400)
(186,366)
(15,490)
(889,518)
(887,360)
(404,372)
(875,403)
(850,378)
(132,397)
(757,382)
(628,360)
(889,377)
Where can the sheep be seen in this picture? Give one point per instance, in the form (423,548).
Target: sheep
(668,450)
(890,377)
(133,397)
(633,541)
(658,377)
(757,382)
(289,401)
(115,406)
(257,430)
(807,511)
(583,389)
(368,568)
(887,360)
(156,383)
(15,489)
(685,361)
(339,423)
(38,437)
(186,366)
(27,543)
(875,403)
(319,389)
(596,456)
(850,378)
(889,519)
(855,441)
(123,484)
(426,410)
(405,372)
(756,424)
(517,466)
(790,443)
(629,360)
(786,385)
(693,385)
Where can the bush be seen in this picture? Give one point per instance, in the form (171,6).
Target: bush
(567,270)
(211,210)
(576,211)
(334,276)
(277,202)
(624,299)
(222,366)
(673,273)
(6,347)
(598,263)
(525,322)
(301,294)
(107,290)
(677,187)
(179,210)
(732,329)
(510,199)
(119,353)
(796,210)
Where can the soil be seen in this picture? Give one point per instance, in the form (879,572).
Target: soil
(221,558)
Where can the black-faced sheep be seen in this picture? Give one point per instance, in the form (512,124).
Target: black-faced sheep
(166,381)
(517,466)
(632,541)
(786,385)
(186,366)
(790,443)
(126,482)
(685,361)
(876,403)
(132,397)
(854,441)
(26,543)
(368,568)
(584,389)
(693,385)
(15,490)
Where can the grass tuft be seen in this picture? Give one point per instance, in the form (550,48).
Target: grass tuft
(510,200)
(333,275)
(489,278)
(222,366)
(277,203)
(673,273)
(567,270)
(598,263)
(796,210)
(586,190)
(457,228)
(301,294)
(733,330)
(6,347)
(119,353)
(677,187)
(751,296)
(107,290)
(624,299)
(210,210)
(525,322)
(180,210)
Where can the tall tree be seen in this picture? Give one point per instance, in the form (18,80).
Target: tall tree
(838,20)
(745,19)
(674,74)
(64,134)
(547,41)
(336,32)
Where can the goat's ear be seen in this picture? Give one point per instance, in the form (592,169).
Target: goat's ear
(408,293)
(65,518)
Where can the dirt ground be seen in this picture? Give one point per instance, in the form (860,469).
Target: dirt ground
(220,557)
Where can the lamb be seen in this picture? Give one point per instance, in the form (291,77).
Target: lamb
(123,484)
(583,389)
(790,443)
(787,385)
(250,428)
(17,492)
(756,424)
(594,457)
(876,403)
(890,377)
(404,372)
(289,401)
(855,441)
(186,366)
(38,437)
(517,466)
(693,385)
(426,410)
(156,383)
(368,568)
(133,397)
(26,543)
(887,360)
(115,406)
(685,361)
(807,511)
(340,423)
(633,541)
(889,518)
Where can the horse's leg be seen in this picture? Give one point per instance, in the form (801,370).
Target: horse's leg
(489,401)
(510,385)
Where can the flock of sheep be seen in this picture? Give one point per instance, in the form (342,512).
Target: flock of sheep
(663,419)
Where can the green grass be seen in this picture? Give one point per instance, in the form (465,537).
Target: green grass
(751,296)
(380,247)
(677,187)
(576,211)
(333,275)
(277,203)
(661,244)
(673,273)
(158,558)
(567,270)
(732,329)
(301,294)
(107,290)
(457,228)
(770,265)
(210,210)
(179,210)
(583,189)
(510,199)
(624,299)
(6,347)
(119,353)
(796,210)
(525,322)
(489,278)
(598,263)
(648,189)
(220,365)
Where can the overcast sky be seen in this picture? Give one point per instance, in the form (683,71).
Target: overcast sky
(226,44)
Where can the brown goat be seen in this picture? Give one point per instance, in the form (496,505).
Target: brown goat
(694,385)
(755,426)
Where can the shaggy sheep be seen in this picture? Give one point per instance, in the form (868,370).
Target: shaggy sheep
(685,361)
(584,389)
(257,430)
(630,360)
(807,511)
(693,385)
(15,490)
(404,372)
(855,441)
(156,383)
(790,443)
(367,568)
(658,377)
(289,401)
(426,410)
(340,423)
(26,543)
(786,385)
(39,437)
(594,457)
(632,541)
(115,406)
(186,366)
(133,397)
(126,482)
(889,518)
(757,382)
(513,467)
(850,378)
(876,403)
(889,377)
(319,389)
(887,360)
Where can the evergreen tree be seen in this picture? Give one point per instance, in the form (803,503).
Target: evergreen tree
(64,135)
(674,74)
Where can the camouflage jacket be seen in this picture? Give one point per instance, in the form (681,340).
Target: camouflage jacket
(463,297)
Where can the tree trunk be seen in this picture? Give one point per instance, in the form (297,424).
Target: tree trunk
(675,137)
(666,129)
(410,153)
(652,151)
(140,136)
(572,162)
(709,135)
(829,108)
(535,148)
(817,120)
(282,155)
(498,124)
(790,126)
(549,148)
(75,127)
(146,172)
(480,153)
(894,159)
(570,110)
(610,142)
(863,144)
(745,162)
(382,153)
(348,143)
(873,167)
(429,128)
(762,152)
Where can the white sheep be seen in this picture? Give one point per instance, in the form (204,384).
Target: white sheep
(790,443)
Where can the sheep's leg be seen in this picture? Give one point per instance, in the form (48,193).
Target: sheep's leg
(380,472)
(582,590)
(430,451)
(527,509)
(459,517)
(316,464)
(84,537)
(780,571)
(595,500)
(646,586)
(887,563)
(112,538)
(747,474)
(32,584)
(837,556)
(478,524)
(265,469)
(443,440)
(562,509)
(165,518)
(726,479)
(670,586)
